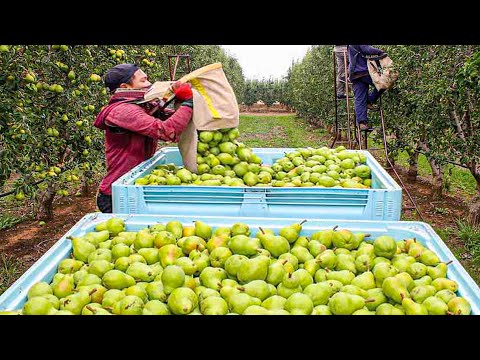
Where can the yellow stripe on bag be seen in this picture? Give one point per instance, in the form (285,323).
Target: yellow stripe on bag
(199,87)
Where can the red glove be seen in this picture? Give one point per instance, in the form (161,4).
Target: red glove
(182,91)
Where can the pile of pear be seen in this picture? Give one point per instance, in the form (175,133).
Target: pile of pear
(175,268)
(223,161)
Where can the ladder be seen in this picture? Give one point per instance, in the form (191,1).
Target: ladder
(173,68)
(356,138)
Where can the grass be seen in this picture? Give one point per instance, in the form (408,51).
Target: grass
(8,221)
(279,131)
(10,270)
(470,236)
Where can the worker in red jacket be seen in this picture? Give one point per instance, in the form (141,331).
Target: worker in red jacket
(132,130)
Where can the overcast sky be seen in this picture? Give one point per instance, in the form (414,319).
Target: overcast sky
(265,61)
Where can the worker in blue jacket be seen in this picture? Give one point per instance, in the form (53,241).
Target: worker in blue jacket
(361,80)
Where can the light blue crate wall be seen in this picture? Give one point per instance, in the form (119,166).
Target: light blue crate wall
(44,269)
(382,202)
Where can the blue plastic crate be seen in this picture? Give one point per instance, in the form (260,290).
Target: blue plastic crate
(44,269)
(382,202)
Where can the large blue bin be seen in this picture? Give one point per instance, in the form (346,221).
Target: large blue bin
(382,202)
(44,269)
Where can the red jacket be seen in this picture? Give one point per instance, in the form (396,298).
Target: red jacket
(131,134)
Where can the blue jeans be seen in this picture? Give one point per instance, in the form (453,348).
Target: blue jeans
(362,97)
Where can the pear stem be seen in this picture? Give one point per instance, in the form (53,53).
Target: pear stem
(263,232)
(241,288)
(367,235)
(92,291)
(303,222)
(108,307)
(402,295)
(448,263)
(370,300)
(450,313)
(335,227)
(91,309)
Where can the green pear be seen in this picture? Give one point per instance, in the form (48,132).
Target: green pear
(320,275)
(240,229)
(144,239)
(115,279)
(100,267)
(150,255)
(253,269)
(366,249)
(305,277)
(157,227)
(276,272)
(299,304)
(335,285)
(285,292)
(168,254)
(120,250)
(301,253)
(301,241)
(324,237)
(412,308)
(435,306)
(276,245)
(39,289)
(81,249)
(219,256)
(64,287)
(316,248)
(345,304)
(164,238)
(438,271)
(420,293)
(155,307)
(79,275)
(122,263)
(239,302)
(101,226)
(364,281)
(140,272)
(327,259)
(291,280)
(290,233)
(175,227)
(200,259)
(173,277)
(321,310)
(129,305)
(402,262)
(96,238)
(406,280)
(344,239)
(232,264)
(89,279)
(445,295)
(363,311)
(222,231)
(155,291)
(444,283)
(311,266)
(429,258)
(54,300)
(69,266)
(388,309)
(346,262)
(459,306)
(380,259)
(424,280)
(382,270)
(217,241)
(115,226)
(204,292)
(137,290)
(256,288)
(243,245)
(274,302)
(415,249)
(212,277)
(393,288)
(203,230)
(100,254)
(291,260)
(110,297)
(187,264)
(319,293)
(126,237)
(38,305)
(344,276)
(75,302)
(354,290)
(363,263)
(378,296)
(213,305)
(385,246)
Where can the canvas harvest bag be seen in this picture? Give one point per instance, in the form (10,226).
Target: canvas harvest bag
(215,107)
(382,72)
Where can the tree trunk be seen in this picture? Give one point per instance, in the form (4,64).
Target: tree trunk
(45,204)
(85,189)
(437,173)
(474,208)
(413,169)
